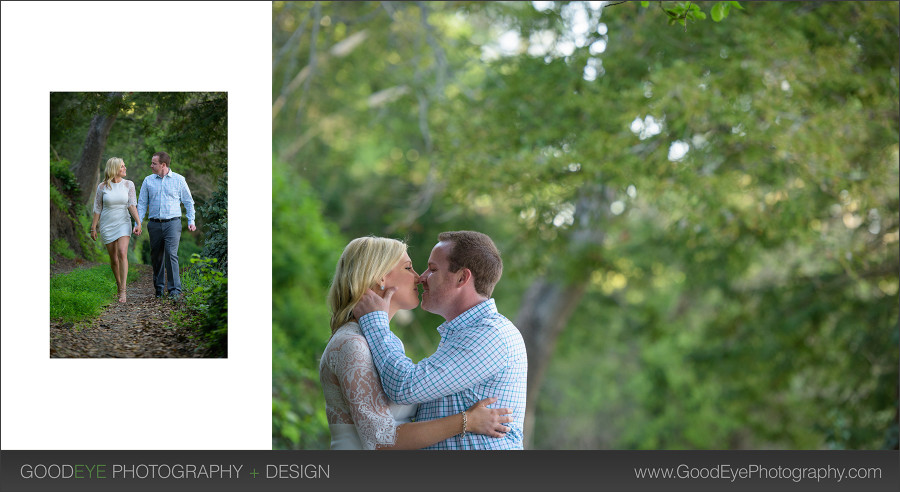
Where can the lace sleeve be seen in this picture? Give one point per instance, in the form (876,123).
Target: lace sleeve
(98,200)
(132,196)
(361,386)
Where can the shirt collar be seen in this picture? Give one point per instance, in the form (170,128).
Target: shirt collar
(479,311)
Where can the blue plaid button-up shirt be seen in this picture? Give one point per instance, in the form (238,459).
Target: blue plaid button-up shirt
(164,196)
(481,354)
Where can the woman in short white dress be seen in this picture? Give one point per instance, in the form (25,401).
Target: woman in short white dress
(359,413)
(116,198)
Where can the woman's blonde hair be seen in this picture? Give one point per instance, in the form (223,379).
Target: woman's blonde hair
(364,261)
(112,170)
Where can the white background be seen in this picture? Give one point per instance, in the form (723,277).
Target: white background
(135,403)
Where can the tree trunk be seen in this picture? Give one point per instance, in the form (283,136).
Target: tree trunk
(546,308)
(549,303)
(87,170)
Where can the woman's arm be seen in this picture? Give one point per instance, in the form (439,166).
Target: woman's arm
(94,226)
(98,207)
(479,420)
(132,208)
(137,220)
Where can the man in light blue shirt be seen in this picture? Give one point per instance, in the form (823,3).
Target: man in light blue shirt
(481,353)
(162,194)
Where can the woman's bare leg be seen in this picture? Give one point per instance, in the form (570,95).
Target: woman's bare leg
(122,257)
(114,264)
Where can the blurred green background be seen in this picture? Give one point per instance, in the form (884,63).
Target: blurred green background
(698,216)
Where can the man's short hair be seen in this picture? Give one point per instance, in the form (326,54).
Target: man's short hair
(477,252)
(163,158)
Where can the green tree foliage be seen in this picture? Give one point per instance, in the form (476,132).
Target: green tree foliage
(198,129)
(191,126)
(682,12)
(726,197)
(215,213)
(775,222)
(304,251)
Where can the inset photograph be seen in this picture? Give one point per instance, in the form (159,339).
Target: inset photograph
(138,225)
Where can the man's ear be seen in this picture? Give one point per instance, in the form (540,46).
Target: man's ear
(463,277)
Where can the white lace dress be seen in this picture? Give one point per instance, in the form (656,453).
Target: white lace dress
(112,205)
(360,415)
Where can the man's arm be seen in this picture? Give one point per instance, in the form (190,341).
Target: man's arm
(188,202)
(142,201)
(459,363)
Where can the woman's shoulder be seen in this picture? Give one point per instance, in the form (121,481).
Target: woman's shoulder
(348,338)
(347,349)
(349,330)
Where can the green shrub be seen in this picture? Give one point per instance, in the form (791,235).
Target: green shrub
(144,251)
(215,215)
(187,249)
(62,196)
(133,257)
(62,248)
(205,306)
(93,250)
(60,170)
(58,198)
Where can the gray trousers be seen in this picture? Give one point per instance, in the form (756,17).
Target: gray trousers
(164,238)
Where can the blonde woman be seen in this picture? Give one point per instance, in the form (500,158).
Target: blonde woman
(116,199)
(360,416)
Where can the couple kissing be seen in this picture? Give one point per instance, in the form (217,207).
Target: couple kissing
(376,397)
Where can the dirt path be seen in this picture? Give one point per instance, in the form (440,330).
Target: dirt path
(137,328)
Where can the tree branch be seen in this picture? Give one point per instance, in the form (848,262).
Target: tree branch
(298,33)
(440,58)
(317,17)
(389,9)
(339,50)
